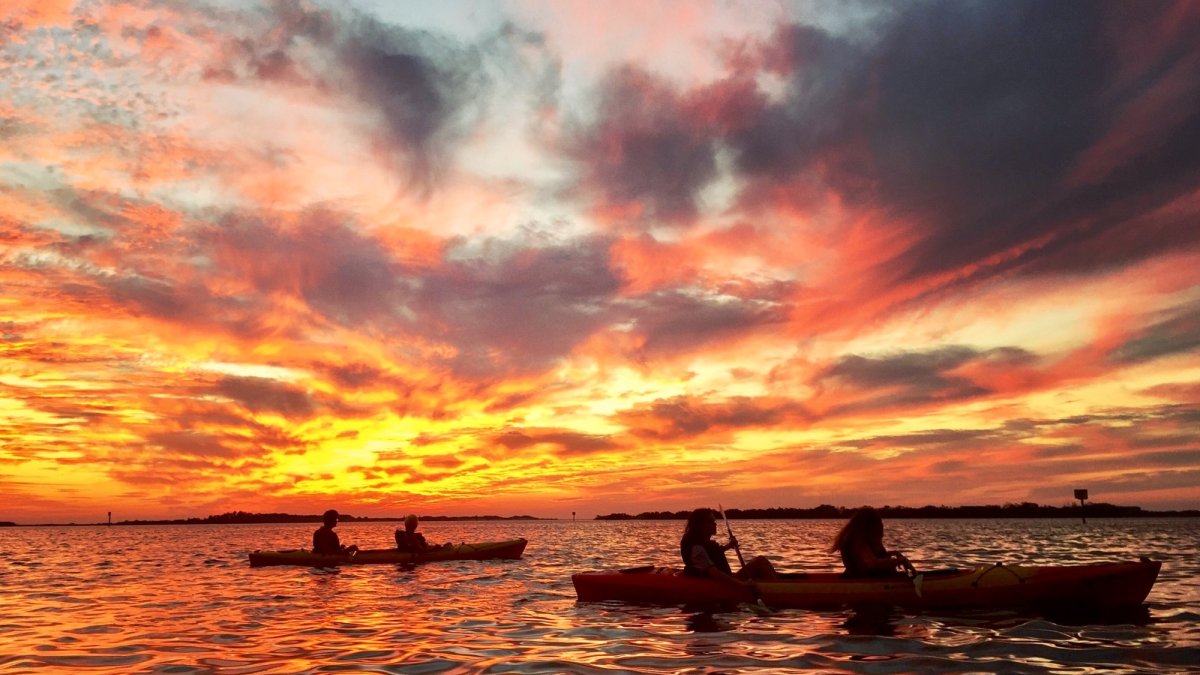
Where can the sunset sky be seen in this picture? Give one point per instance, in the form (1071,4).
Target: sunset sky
(537,257)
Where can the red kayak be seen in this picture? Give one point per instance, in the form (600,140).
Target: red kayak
(1096,586)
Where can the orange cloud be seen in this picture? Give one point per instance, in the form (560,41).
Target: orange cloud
(31,14)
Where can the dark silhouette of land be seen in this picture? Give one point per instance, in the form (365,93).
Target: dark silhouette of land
(235,517)
(824,511)
(243,517)
(1022,510)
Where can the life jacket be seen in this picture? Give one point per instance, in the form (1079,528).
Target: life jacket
(325,541)
(410,542)
(855,567)
(714,551)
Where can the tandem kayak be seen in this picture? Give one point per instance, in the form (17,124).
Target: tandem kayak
(1095,586)
(510,550)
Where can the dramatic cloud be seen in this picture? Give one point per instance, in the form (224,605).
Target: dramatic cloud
(680,418)
(913,379)
(417,85)
(514,307)
(1178,334)
(975,120)
(549,258)
(643,155)
(563,443)
(321,260)
(259,395)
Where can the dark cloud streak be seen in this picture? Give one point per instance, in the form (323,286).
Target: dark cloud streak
(422,87)
(1177,334)
(262,395)
(642,156)
(519,308)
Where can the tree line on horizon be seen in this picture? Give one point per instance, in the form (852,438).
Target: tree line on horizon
(824,511)
(244,517)
(1009,510)
(241,517)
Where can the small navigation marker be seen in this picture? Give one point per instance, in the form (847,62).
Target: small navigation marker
(110,518)
(1081,495)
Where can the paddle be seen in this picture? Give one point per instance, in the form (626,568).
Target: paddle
(911,572)
(758,606)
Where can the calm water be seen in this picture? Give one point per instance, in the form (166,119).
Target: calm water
(163,599)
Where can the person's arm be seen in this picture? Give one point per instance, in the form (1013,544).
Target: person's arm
(900,561)
(336,546)
(888,562)
(701,561)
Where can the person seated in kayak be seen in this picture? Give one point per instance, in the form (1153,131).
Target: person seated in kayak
(325,540)
(704,557)
(409,539)
(861,544)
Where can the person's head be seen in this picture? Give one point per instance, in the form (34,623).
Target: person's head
(864,525)
(331,518)
(410,523)
(701,524)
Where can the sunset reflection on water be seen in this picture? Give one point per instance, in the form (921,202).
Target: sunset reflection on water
(184,600)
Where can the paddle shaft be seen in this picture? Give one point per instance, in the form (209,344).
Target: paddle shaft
(729,531)
(758,606)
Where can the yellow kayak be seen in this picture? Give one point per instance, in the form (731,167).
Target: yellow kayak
(511,550)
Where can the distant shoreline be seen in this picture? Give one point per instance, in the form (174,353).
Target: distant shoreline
(243,518)
(823,512)
(1023,510)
